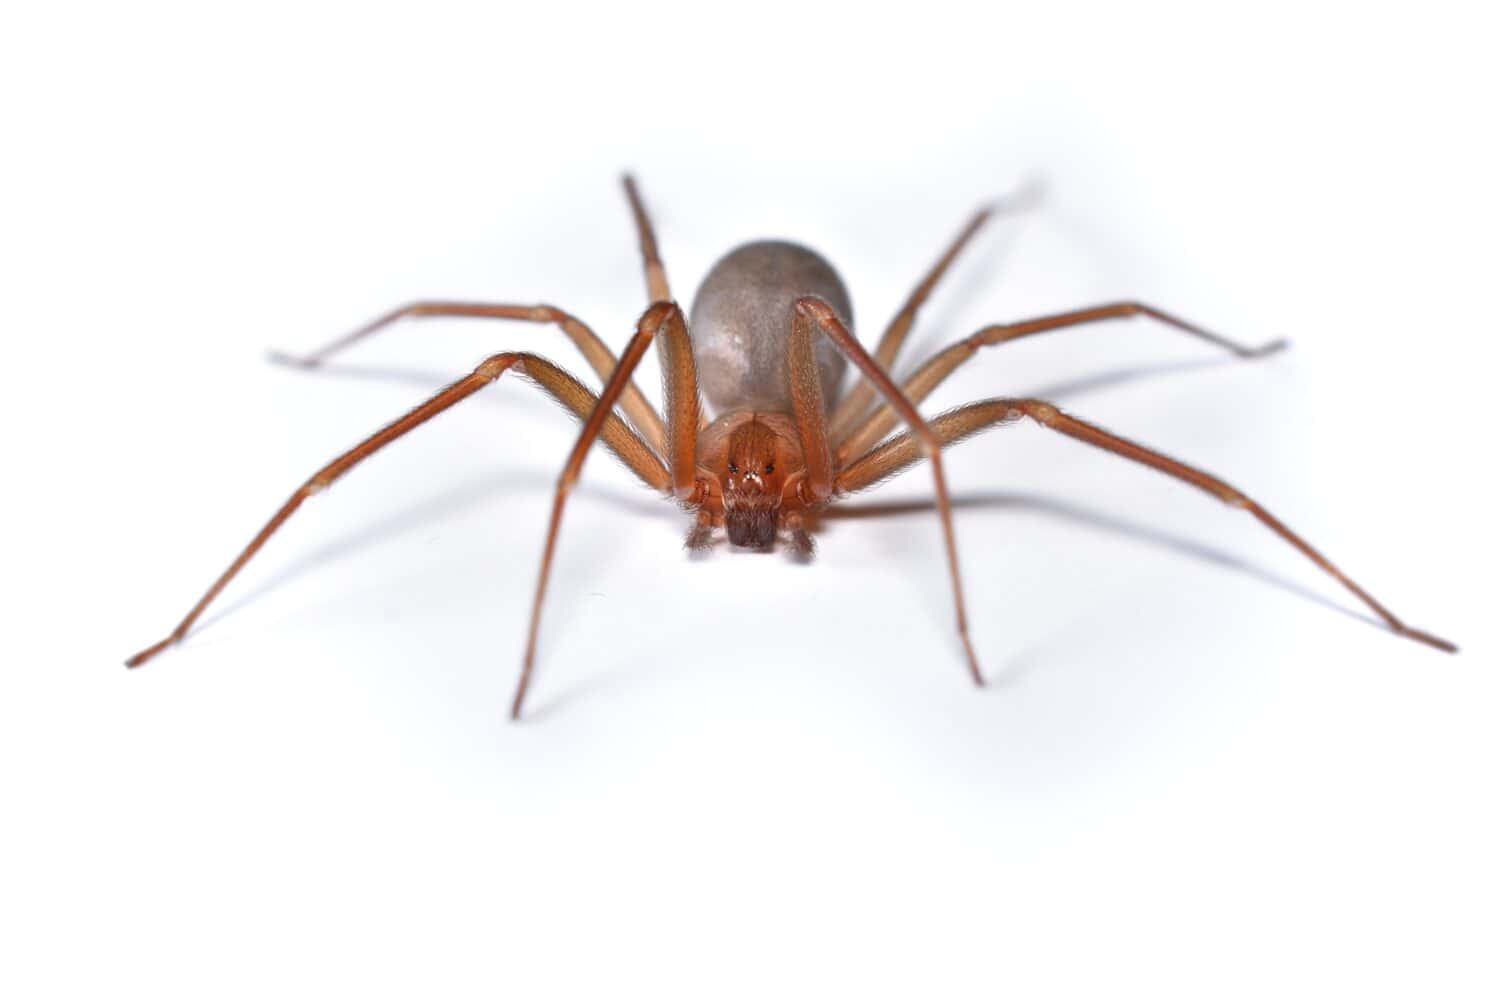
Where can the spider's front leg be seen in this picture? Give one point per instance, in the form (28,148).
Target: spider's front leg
(902,451)
(810,316)
(551,379)
(686,482)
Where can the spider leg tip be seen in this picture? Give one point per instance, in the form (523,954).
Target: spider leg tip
(1442,644)
(150,651)
(975,674)
(1428,639)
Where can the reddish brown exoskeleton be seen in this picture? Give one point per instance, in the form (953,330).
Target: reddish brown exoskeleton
(767,346)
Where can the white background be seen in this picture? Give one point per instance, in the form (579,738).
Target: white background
(1200,769)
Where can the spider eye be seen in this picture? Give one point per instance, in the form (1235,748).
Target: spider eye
(733,467)
(770,468)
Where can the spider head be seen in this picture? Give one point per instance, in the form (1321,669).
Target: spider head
(752,478)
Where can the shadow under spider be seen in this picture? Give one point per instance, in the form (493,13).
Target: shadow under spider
(1066,389)
(1087,518)
(432,511)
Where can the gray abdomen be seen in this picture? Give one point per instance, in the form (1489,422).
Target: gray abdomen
(741,323)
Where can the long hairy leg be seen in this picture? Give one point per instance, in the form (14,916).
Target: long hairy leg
(945,362)
(853,406)
(806,386)
(812,313)
(600,358)
(902,451)
(662,318)
(656,274)
(658,291)
(552,379)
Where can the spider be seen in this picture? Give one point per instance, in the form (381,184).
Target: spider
(767,346)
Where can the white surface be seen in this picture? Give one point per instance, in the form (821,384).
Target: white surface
(1199,769)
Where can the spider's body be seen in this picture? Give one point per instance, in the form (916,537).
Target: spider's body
(767,346)
(741,322)
(740,329)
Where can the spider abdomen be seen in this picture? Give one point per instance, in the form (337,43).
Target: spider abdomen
(741,322)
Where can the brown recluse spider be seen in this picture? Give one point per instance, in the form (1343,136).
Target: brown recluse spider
(767,345)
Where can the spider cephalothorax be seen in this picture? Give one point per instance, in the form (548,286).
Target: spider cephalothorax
(767,347)
(752,455)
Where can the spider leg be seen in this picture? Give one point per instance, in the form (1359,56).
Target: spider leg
(805,382)
(599,357)
(656,275)
(862,394)
(681,407)
(945,362)
(810,313)
(553,380)
(657,291)
(901,452)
